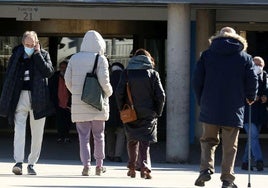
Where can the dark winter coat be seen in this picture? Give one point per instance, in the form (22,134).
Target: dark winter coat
(148,98)
(41,69)
(222,80)
(53,86)
(258,109)
(114,118)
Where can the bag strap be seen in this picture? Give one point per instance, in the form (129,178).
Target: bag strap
(129,93)
(95,63)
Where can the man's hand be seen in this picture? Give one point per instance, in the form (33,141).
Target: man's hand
(250,102)
(37,47)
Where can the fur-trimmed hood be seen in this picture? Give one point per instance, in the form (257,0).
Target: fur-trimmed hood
(227,43)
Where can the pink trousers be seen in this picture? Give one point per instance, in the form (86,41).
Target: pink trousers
(84,129)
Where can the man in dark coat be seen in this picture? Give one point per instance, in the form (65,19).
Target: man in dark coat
(222,81)
(25,91)
(258,117)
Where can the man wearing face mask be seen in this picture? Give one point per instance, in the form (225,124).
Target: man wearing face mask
(258,117)
(25,91)
(61,98)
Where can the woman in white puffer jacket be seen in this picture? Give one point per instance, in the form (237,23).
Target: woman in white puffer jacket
(86,117)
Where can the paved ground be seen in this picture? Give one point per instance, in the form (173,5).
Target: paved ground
(59,166)
(59,174)
(53,151)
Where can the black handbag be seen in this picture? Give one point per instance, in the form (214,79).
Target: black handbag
(92,93)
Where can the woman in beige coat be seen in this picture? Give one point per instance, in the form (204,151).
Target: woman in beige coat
(87,118)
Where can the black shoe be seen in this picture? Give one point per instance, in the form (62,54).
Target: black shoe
(259,165)
(117,159)
(245,166)
(204,176)
(30,170)
(226,184)
(17,169)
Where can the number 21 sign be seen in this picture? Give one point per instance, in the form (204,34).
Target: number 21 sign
(25,13)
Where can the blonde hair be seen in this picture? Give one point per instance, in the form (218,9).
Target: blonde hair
(29,33)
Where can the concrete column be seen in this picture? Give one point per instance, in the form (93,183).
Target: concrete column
(113,47)
(205,28)
(178,82)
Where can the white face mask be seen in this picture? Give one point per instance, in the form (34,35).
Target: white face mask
(29,51)
(257,69)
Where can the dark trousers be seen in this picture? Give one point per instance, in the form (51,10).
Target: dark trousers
(135,148)
(64,122)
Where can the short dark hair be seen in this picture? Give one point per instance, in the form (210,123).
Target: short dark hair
(65,62)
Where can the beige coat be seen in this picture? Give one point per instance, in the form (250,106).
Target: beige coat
(81,63)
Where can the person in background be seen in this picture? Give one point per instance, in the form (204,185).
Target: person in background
(88,118)
(223,79)
(115,135)
(258,117)
(25,92)
(61,98)
(149,99)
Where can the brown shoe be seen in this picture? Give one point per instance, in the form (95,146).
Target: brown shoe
(100,170)
(146,173)
(131,172)
(85,171)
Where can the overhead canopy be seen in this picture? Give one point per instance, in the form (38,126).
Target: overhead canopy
(223,2)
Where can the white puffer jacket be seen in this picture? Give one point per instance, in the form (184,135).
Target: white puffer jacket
(81,63)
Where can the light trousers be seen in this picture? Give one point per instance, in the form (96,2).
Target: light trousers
(210,140)
(84,129)
(37,129)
